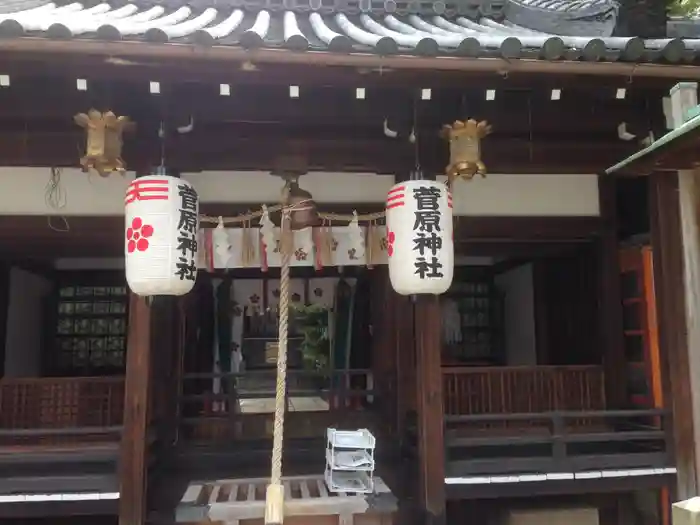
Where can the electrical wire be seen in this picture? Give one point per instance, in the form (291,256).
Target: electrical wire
(56,199)
(416,141)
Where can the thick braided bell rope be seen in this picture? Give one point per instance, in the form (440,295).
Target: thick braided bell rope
(280,393)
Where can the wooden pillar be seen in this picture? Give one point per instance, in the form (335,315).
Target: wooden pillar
(165,352)
(419,362)
(610,298)
(430,410)
(689,193)
(134,446)
(5,269)
(404,346)
(384,365)
(675,244)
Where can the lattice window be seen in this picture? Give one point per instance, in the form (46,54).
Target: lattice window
(91,330)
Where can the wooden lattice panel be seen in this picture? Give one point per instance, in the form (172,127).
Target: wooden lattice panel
(53,403)
(307,500)
(513,390)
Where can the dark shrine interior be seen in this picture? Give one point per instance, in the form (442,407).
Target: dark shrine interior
(633,208)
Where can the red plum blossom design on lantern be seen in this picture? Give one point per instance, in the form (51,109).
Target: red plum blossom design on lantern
(390,238)
(137,235)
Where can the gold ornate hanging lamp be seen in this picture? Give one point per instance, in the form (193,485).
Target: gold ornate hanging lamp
(465,137)
(103,150)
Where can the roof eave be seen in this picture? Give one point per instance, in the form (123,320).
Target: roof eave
(324,58)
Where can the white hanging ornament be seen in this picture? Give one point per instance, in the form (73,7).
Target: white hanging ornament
(162,224)
(268,230)
(420,243)
(222,246)
(357,239)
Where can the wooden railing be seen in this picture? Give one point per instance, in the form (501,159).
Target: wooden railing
(60,409)
(621,439)
(522,389)
(244,407)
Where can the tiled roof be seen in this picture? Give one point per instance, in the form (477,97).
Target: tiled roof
(549,29)
(569,17)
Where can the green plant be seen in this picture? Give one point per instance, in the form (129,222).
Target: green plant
(688,8)
(312,323)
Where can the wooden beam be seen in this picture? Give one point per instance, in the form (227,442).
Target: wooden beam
(234,56)
(225,150)
(610,298)
(430,409)
(531,229)
(516,112)
(40,250)
(467,229)
(29,237)
(144,69)
(563,488)
(133,462)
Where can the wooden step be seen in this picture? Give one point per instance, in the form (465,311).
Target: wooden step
(231,501)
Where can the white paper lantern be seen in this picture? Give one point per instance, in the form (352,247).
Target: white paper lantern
(162,221)
(420,243)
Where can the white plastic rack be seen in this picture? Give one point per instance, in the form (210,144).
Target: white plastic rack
(350,461)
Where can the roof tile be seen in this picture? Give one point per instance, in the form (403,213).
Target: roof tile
(547,29)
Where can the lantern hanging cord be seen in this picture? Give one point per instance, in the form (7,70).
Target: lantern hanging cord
(161,136)
(416,140)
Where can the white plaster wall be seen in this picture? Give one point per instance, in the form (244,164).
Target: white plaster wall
(528,195)
(498,194)
(520,338)
(25,314)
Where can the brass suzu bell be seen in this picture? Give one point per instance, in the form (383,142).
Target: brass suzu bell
(304,213)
